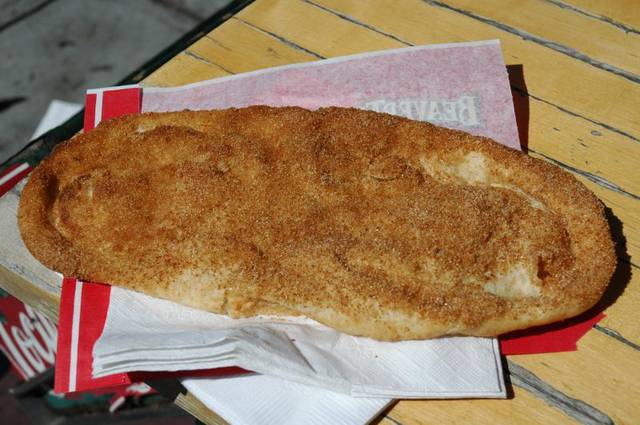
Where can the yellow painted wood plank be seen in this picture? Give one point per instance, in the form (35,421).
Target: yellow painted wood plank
(31,294)
(198,409)
(311,27)
(626,210)
(183,69)
(550,75)
(623,11)
(603,373)
(597,39)
(239,48)
(623,316)
(523,409)
(583,145)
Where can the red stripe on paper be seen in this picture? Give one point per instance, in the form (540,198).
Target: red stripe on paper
(63,351)
(116,103)
(6,186)
(9,169)
(93,315)
(89,111)
(553,338)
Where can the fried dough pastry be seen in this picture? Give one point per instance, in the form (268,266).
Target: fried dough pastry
(371,224)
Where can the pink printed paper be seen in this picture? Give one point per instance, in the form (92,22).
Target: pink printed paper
(462,85)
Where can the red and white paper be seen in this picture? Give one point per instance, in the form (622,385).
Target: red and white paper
(83,312)
(110,102)
(12,175)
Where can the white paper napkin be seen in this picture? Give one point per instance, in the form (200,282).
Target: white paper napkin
(143,333)
(57,113)
(260,399)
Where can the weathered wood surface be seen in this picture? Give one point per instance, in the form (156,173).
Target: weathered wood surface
(625,14)
(580,89)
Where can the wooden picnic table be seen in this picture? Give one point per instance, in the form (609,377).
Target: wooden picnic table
(575,74)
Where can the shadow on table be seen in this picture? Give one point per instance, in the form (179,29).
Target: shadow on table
(622,274)
(520,103)
(382,415)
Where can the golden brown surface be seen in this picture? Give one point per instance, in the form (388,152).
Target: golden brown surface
(372,224)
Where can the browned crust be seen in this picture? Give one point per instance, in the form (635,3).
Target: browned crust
(576,281)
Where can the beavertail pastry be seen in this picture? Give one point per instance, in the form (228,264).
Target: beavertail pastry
(371,224)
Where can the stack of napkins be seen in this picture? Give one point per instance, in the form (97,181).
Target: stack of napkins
(143,333)
(259,399)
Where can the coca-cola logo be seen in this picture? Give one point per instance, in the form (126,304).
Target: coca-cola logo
(28,338)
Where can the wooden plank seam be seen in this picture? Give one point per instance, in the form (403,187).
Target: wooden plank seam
(575,114)
(616,335)
(561,48)
(606,19)
(577,409)
(359,23)
(280,38)
(592,177)
(390,419)
(205,60)
(356,22)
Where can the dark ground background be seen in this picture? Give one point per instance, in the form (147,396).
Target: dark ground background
(59,48)
(56,49)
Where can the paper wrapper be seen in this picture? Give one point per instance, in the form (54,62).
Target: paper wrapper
(260,399)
